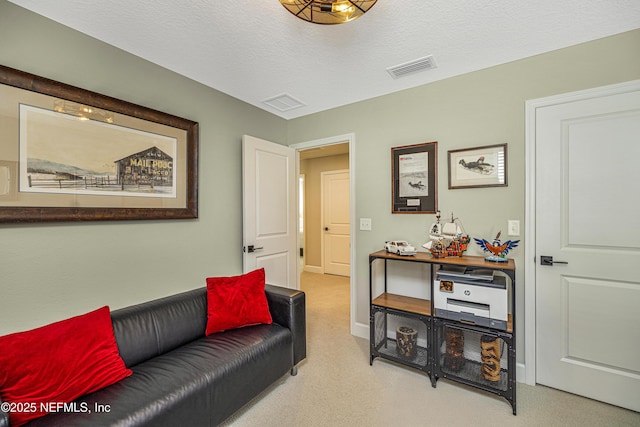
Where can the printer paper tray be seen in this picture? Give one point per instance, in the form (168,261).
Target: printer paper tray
(472,319)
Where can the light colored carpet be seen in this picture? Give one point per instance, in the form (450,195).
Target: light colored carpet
(335,385)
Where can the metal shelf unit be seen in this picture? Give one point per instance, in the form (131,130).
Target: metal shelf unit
(387,347)
(387,310)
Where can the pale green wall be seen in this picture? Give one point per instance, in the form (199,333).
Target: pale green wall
(52,271)
(481,108)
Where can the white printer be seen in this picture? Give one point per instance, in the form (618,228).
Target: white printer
(471,296)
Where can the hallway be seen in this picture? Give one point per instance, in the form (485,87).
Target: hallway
(330,298)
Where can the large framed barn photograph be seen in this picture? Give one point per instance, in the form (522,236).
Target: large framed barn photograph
(69,154)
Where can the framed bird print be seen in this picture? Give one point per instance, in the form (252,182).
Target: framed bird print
(413,178)
(478,167)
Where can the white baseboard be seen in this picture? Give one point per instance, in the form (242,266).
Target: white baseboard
(360,330)
(521,373)
(314,269)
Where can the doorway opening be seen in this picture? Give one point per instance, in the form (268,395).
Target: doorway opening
(325,205)
(314,157)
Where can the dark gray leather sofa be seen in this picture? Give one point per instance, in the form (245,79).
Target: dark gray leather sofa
(183,378)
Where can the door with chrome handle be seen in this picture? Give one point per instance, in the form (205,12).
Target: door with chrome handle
(548,260)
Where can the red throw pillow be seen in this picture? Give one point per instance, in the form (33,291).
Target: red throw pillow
(233,302)
(58,363)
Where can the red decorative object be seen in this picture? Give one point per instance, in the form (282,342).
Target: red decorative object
(58,363)
(236,301)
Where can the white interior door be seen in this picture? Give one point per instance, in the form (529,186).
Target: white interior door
(588,217)
(269,210)
(336,224)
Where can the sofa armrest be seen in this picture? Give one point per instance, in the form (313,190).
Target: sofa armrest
(287,307)
(4,418)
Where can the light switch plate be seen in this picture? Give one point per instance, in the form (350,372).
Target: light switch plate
(513,228)
(365,224)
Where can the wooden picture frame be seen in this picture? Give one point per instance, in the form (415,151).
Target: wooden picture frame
(478,167)
(69,154)
(414,178)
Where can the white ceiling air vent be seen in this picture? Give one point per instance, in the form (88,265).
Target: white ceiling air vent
(283,102)
(412,67)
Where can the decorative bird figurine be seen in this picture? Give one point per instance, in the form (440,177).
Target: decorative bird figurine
(497,250)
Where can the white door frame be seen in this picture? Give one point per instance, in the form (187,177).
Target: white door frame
(530,207)
(360,330)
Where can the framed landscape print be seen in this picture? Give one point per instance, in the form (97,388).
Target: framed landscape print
(478,167)
(68,154)
(413,178)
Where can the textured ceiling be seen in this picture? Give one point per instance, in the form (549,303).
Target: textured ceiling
(255,50)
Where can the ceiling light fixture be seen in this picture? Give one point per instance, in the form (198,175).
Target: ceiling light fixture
(327,11)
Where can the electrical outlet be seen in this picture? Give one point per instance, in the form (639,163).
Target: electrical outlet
(365,224)
(513,227)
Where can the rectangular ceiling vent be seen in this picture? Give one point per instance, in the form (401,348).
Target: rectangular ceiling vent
(283,102)
(412,67)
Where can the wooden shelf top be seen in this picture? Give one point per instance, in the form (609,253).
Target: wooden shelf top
(400,302)
(468,260)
